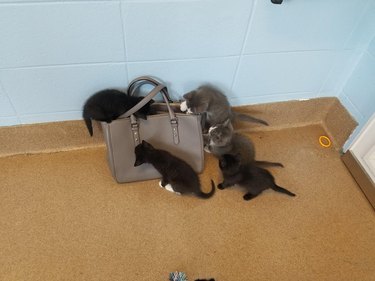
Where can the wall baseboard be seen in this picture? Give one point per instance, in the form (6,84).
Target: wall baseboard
(72,135)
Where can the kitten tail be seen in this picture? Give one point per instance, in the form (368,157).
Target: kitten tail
(268,164)
(282,190)
(203,195)
(88,122)
(248,118)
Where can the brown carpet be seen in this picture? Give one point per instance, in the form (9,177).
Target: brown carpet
(63,217)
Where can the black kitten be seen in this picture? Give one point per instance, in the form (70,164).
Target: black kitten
(177,175)
(249,176)
(108,105)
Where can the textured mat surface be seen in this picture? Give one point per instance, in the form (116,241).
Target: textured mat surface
(62,217)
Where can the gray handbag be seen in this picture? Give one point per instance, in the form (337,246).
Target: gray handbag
(178,133)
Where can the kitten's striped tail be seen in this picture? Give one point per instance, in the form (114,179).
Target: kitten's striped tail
(203,195)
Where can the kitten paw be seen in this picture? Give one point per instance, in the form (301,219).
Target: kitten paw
(207,149)
(161,184)
(169,187)
(248,196)
(183,106)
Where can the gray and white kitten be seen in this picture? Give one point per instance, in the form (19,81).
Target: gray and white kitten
(221,139)
(214,106)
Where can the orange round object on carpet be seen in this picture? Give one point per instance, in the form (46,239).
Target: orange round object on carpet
(324,141)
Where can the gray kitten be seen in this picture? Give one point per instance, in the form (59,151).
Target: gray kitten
(221,139)
(214,106)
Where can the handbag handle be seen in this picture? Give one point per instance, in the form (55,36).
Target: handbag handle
(172,116)
(159,88)
(139,81)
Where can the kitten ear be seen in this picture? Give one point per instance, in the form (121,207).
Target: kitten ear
(145,144)
(189,95)
(137,162)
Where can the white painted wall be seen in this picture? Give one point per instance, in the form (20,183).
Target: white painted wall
(363,147)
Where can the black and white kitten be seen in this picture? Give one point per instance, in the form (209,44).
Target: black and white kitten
(177,175)
(107,105)
(214,106)
(248,176)
(221,139)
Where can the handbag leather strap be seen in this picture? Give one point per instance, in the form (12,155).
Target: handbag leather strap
(146,99)
(139,81)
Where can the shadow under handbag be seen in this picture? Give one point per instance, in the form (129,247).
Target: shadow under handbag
(178,133)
